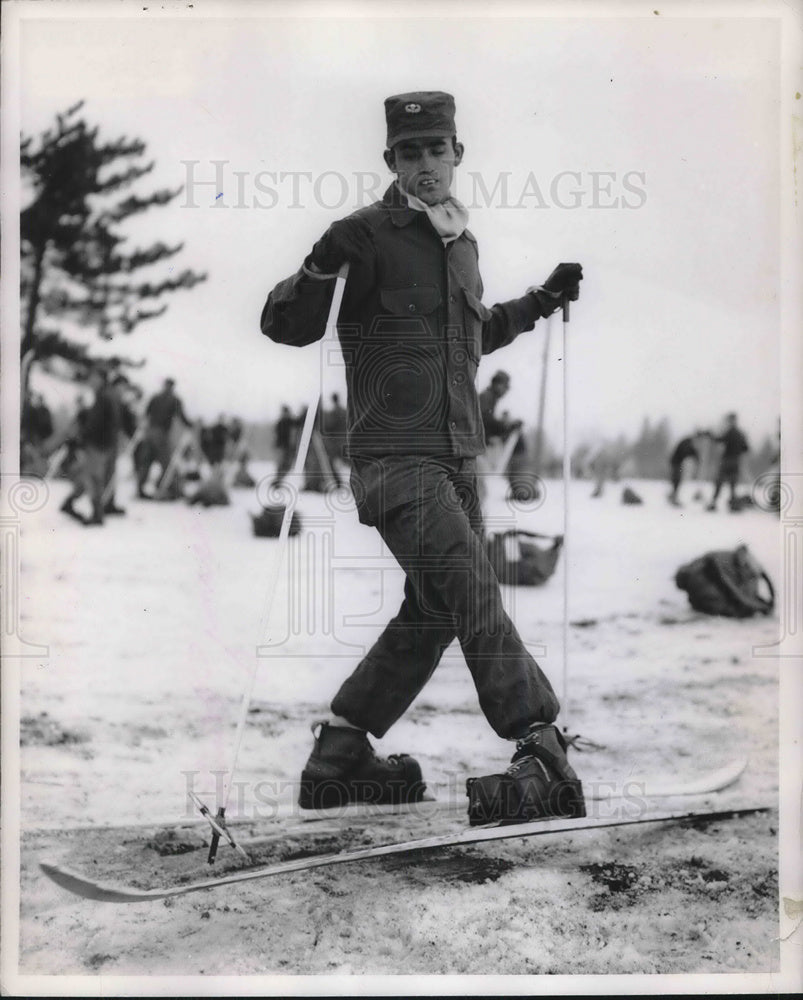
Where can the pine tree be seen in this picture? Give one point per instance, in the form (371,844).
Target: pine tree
(75,262)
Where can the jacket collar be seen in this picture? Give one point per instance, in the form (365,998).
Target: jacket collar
(400,212)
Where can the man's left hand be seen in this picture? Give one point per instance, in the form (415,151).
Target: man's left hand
(565,281)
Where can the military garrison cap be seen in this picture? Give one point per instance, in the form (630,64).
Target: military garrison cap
(419,115)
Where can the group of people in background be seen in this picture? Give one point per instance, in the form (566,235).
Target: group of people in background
(89,450)
(326,456)
(508,453)
(686,457)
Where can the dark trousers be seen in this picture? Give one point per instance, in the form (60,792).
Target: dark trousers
(92,475)
(728,472)
(428,514)
(154,447)
(675,477)
(284,465)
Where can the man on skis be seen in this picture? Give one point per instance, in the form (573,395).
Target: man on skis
(413,328)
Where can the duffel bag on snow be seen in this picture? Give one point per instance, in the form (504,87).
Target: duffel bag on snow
(520,563)
(730,583)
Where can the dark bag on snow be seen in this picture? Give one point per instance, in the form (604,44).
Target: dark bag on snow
(630,496)
(210,493)
(730,583)
(268,524)
(520,563)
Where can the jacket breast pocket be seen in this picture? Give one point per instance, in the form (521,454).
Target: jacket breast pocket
(475,315)
(409,311)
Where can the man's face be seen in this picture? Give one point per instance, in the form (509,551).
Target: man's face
(425,167)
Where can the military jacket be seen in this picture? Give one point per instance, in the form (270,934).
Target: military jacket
(412,330)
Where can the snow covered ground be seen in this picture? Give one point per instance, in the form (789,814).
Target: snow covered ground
(152,624)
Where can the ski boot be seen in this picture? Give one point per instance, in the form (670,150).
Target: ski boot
(539,783)
(343,770)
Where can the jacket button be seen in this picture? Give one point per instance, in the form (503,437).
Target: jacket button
(453,424)
(411,307)
(452,298)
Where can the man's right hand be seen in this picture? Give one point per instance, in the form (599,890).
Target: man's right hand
(343,241)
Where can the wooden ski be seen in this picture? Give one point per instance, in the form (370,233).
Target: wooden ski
(89,888)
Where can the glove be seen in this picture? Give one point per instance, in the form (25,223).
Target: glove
(564,281)
(343,241)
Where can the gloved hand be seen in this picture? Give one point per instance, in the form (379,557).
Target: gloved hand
(343,241)
(565,280)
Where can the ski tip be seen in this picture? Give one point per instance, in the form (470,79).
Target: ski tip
(86,888)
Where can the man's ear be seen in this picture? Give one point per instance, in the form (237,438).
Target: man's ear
(459,149)
(390,159)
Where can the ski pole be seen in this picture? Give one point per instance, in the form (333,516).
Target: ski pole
(284,534)
(539,434)
(567,472)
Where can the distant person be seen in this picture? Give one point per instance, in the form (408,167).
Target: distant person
(242,477)
(602,467)
(120,390)
(521,478)
(156,445)
(319,470)
(284,441)
(97,443)
(36,427)
(684,455)
(333,431)
(734,445)
(489,398)
(214,441)
(235,439)
(494,429)
(37,422)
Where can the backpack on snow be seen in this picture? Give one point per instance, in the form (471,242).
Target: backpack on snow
(520,563)
(730,583)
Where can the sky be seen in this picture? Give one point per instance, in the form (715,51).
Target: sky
(647,148)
